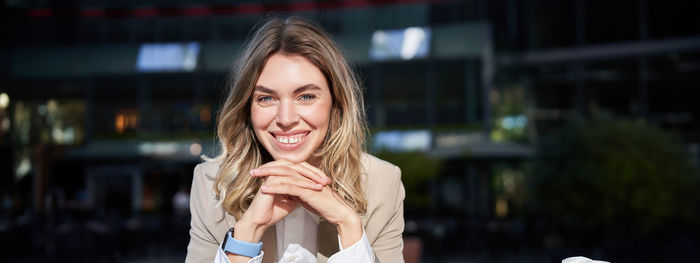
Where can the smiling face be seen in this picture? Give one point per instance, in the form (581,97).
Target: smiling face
(290,107)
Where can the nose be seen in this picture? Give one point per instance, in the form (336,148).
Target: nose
(287,115)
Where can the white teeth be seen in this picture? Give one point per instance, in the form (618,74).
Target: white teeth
(290,140)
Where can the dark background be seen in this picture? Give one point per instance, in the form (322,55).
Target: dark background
(533,130)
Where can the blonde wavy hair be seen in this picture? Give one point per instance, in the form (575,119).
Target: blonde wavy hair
(241,152)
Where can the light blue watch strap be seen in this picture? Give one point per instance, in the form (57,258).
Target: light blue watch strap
(238,247)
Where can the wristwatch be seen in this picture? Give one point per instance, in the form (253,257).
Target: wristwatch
(238,247)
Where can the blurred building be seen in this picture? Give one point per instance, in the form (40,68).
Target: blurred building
(107,106)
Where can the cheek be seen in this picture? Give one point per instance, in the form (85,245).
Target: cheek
(261,118)
(319,116)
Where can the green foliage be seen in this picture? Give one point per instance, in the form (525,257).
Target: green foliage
(509,185)
(615,177)
(508,104)
(416,170)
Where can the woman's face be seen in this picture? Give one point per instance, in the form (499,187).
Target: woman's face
(290,108)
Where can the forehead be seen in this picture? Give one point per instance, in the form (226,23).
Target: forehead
(283,72)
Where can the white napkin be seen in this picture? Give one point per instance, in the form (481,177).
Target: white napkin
(581,260)
(297,254)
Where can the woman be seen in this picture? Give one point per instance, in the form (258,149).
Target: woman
(292,181)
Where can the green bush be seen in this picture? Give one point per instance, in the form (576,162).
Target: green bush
(615,177)
(416,170)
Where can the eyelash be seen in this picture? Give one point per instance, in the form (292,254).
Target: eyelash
(307,97)
(264,98)
(303,97)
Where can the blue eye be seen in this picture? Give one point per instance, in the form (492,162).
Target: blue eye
(264,98)
(307,97)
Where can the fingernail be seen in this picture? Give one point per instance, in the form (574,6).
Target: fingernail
(319,185)
(252,172)
(263,188)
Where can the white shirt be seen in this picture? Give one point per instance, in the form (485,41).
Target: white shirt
(299,227)
(297,235)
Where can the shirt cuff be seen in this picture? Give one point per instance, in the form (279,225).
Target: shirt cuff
(361,251)
(222,258)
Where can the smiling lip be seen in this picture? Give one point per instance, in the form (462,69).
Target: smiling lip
(290,140)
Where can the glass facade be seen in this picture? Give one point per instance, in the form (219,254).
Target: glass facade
(85,136)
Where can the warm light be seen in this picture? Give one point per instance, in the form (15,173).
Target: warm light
(501,207)
(4,100)
(126,120)
(119,123)
(52,106)
(195,149)
(205,115)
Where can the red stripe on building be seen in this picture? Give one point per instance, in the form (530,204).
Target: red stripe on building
(144,12)
(44,12)
(197,11)
(92,13)
(219,10)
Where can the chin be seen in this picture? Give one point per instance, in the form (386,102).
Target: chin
(295,158)
(298,156)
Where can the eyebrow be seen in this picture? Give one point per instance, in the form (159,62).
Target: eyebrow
(301,89)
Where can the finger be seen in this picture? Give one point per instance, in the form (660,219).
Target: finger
(310,209)
(289,171)
(303,168)
(285,189)
(302,194)
(317,176)
(316,171)
(296,181)
(295,187)
(262,202)
(271,164)
(264,171)
(286,203)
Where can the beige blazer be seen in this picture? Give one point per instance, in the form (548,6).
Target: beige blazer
(383,221)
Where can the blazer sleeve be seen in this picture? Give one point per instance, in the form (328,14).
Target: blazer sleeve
(388,247)
(203,245)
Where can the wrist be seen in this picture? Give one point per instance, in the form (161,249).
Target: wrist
(350,221)
(237,250)
(248,232)
(349,229)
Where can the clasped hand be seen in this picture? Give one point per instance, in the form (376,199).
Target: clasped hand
(286,186)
